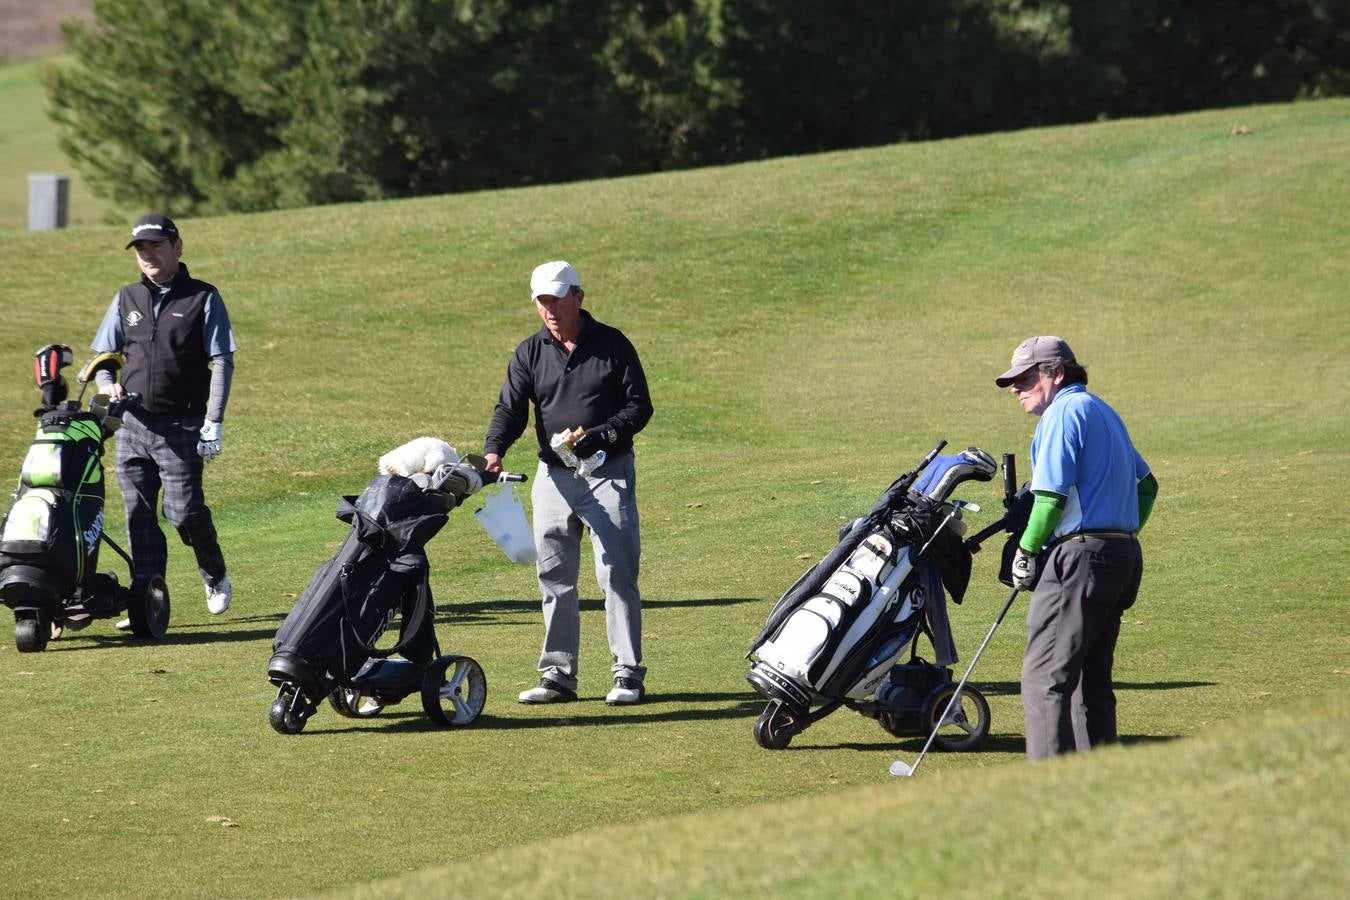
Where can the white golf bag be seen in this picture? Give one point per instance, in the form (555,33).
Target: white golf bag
(838,632)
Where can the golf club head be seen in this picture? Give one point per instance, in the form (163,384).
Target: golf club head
(901,768)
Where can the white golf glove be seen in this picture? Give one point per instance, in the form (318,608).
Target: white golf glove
(1025,569)
(208,446)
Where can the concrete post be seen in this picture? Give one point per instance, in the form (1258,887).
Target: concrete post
(48,201)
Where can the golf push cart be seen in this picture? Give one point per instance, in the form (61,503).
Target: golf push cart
(835,637)
(327,646)
(50,536)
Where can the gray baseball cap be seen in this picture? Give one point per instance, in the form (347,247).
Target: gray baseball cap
(1034,351)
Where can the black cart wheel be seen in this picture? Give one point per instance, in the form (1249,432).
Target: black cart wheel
(31,635)
(353,704)
(454,690)
(776,726)
(290,711)
(149,611)
(965,726)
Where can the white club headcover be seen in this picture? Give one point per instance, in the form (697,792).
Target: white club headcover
(422,454)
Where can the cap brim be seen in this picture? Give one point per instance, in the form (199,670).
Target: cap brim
(1008,377)
(155,236)
(552,289)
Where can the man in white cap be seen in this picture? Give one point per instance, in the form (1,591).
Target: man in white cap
(179,347)
(1078,553)
(579,374)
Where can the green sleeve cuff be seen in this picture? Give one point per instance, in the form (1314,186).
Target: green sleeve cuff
(1148,492)
(1045,515)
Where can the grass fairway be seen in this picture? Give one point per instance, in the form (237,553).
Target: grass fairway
(810,327)
(28,145)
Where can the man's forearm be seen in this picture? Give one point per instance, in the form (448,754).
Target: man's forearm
(222,376)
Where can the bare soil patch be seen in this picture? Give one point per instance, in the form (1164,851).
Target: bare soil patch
(31,28)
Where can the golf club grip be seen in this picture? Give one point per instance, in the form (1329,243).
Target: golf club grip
(1009,479)
(128,401)
(494,477)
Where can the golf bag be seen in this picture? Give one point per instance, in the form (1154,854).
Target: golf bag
(327,646)
(380,572)
(836,634)
(50,536)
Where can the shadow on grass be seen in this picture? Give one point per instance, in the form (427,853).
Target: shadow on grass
(489,611)
(177,635)
(585,712)
(1014,688)
(1009,742)
(448,614)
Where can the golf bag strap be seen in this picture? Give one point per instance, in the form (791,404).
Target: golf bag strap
(412,624)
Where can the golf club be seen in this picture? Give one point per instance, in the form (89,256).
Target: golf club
(899,767)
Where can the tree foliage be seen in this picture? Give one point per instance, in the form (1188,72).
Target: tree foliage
(202,106)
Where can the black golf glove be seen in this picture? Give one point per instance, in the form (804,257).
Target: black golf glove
(1026,570)
(594,439)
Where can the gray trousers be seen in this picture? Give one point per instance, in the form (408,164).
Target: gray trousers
(1072,627)
(155,452)
(606,505)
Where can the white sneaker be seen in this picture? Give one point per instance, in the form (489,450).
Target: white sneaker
(123,625)
(627,692)
(218,597)
(547,691)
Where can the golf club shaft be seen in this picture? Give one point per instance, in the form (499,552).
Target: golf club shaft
(956,695)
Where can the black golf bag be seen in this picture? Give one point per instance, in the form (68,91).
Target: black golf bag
(50,536)
(327,645)
(835,636)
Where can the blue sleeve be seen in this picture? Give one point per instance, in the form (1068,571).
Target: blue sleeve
(1141,468)
(108,338)
(216,331)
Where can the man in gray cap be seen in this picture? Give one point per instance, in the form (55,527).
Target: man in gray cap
(175,334)
(1078,554)
(584,379)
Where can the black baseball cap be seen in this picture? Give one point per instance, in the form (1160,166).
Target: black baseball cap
(153,227)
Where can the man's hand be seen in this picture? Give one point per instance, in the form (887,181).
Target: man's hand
(1026,567)
(208,446)
(493,464)
(593,440)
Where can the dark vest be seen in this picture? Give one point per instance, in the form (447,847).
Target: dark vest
(166,355)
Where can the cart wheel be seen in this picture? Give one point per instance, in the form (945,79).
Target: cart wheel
(776,726)
(149,612)
(290,711)
(353,704)
(454,690)
(31,635)
(966,725)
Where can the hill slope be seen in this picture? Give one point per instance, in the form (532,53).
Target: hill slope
(810,327)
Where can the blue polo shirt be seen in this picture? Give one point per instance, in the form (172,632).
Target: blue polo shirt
(1082,450)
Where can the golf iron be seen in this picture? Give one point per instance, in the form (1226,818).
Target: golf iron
(900,767)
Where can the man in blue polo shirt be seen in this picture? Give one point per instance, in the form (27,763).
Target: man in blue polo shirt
(1078,554)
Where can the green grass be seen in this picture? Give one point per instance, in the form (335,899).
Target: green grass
(28,146)
(1122,822)
(810,327)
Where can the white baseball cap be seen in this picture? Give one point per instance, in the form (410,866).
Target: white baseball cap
(554,278)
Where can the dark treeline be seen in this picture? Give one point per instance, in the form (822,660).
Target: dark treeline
(202,106)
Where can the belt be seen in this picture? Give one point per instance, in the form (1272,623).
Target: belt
(1083,535)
